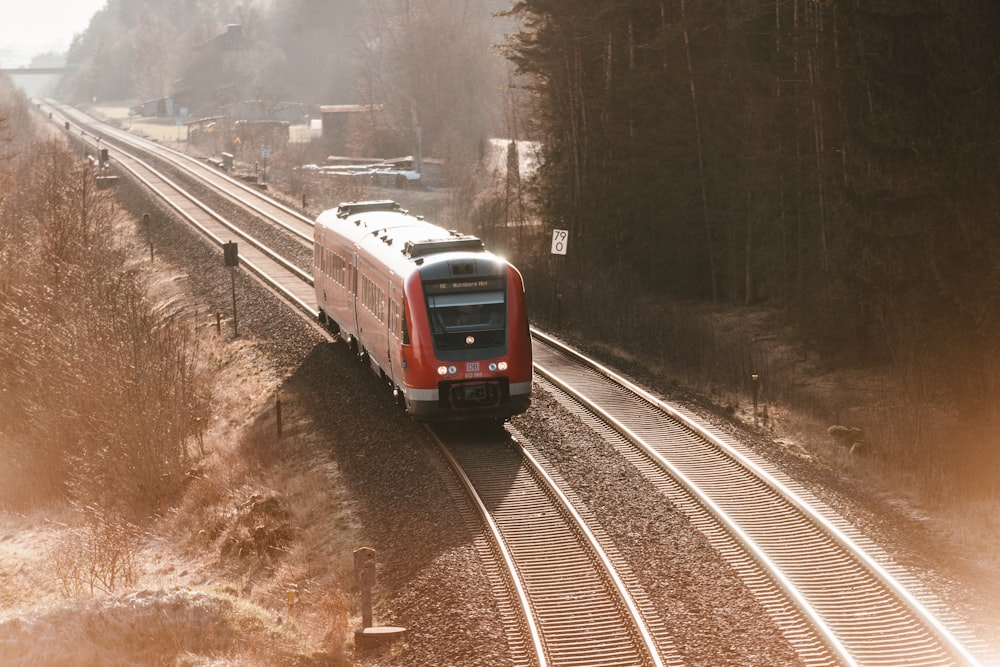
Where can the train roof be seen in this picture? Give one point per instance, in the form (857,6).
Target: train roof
(398,239)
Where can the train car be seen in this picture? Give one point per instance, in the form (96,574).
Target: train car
(440,318)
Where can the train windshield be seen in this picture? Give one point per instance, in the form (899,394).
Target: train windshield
(465,312)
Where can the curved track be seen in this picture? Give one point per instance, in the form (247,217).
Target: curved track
(579,603)
(835,602)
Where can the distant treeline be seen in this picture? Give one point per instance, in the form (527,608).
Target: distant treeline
(429,65)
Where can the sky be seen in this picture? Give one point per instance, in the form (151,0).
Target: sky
(30,27)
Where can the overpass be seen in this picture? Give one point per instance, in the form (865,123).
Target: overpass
(11,71)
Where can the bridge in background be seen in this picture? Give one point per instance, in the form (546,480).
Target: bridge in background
(11,71)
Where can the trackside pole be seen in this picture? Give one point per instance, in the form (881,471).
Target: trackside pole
(231,257)
(560,242)
(755,381)
(232,278)
(277,412)
(364,571)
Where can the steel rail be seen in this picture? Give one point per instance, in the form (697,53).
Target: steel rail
(500,546)
(585,613)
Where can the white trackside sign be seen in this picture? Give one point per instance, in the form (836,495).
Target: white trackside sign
(560,239)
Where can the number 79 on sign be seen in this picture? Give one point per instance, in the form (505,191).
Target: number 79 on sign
(560,239)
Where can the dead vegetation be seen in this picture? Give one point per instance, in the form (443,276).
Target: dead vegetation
(99,555)
(141,524)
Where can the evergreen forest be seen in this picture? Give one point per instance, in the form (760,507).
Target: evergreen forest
(836,161)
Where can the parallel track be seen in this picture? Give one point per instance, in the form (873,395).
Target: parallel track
(835,602)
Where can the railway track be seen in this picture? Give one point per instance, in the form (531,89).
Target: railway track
(835,602)
(579,606)
(240,193)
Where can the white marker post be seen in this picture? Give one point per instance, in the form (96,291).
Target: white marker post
(560,242)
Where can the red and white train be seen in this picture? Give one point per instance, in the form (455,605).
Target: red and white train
(442,320)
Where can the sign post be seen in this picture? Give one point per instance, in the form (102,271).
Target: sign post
(232,259)
(560,242)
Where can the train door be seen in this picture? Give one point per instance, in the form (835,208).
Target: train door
(352,281)
(394,331)
(320,273)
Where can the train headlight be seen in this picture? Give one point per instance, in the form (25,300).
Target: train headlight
(452,370)
(442,370)
(502,366)
(469,340)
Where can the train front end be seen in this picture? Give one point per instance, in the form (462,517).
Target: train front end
(470,349)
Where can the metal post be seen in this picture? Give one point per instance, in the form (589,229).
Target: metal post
(755,380)
(231,257)
(232,276)
(277,411)
(364,570)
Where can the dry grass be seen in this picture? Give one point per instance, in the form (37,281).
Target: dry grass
(240,561)
(251,567)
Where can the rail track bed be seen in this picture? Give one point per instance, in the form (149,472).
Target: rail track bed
(836,603)
(579,607)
